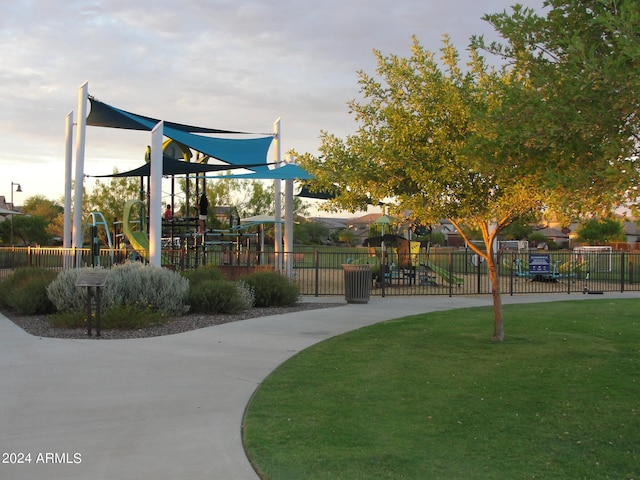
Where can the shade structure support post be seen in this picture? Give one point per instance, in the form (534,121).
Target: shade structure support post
(155,196)
(68,172)
(81,129)
(277,192)
(68,167)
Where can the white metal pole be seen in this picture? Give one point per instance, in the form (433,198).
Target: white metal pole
(288,227)
(155,197)
(277,191)
(81,128)
(68,161)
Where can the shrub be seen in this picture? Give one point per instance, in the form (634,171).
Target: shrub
(214,296)
(63,291)
(130,284)
(272,289)
(202,274)
(134,283)
(246,293)
(210,293)
(25,291)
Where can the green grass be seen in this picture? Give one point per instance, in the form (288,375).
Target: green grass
(430,396)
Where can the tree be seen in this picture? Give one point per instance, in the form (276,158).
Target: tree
(27,230)
(577,104)
(36,226)
(344,235)
(599,232)
(40,206)
(50,211)
(310,232)
(426,144)
(520,229)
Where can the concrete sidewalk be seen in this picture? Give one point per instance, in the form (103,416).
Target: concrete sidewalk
(164,407)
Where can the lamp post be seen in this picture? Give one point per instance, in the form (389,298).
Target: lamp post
(18,190)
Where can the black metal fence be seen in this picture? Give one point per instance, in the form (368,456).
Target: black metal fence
(458,272)
(319,271)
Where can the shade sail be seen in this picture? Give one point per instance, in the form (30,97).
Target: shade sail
(4,211)
(263,172)
(104,115)
(235,151)
(388,239)
(306,192)
(260,219)
(171,166)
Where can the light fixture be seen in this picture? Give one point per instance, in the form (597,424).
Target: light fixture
(18,190)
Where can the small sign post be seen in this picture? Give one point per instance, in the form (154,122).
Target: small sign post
(96,279)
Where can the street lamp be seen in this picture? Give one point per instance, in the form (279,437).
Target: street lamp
(18,190)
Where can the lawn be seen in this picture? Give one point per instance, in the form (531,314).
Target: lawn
(430,396)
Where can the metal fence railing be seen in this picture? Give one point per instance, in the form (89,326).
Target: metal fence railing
(458,272)
(318,271)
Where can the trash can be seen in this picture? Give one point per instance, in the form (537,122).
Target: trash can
(357,283)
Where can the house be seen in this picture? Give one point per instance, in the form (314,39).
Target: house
(559,236)
(631,232)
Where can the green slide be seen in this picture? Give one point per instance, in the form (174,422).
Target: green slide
(137,238)
(441,272)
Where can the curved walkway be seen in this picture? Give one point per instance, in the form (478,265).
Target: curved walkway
(164,407)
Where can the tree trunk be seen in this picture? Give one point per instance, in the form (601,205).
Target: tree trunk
(498,323)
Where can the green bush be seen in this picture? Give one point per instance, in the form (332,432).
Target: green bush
(25,291)
(131,284)
(64,294)
(136,284)
(272,289)
(215,296)
(203,274)
(209,292)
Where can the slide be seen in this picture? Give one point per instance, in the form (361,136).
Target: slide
(137,238)
(441,272)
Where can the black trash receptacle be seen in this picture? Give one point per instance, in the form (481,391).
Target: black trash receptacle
(357,283)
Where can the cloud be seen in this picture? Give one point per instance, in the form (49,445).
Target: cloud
(220,63)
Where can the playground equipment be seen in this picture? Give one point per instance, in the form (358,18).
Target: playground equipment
(93,221)
(235,242)
(134,227)
(444,274)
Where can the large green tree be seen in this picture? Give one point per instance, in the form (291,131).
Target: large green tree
(598,232)
(52,213)
(426,145)
(577,103)
(36,226)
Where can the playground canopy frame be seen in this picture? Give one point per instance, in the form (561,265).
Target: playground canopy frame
(235,152)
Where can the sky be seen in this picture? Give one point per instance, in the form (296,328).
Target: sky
(228,64)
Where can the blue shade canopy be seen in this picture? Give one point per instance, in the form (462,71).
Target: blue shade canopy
(234,151)
(171,166)
(262,172)
(104,115)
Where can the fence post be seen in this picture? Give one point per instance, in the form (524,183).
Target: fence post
(316,261)
(511,254)
(478,273)
(450,273)
(569,273)
(383,269)
(622,259)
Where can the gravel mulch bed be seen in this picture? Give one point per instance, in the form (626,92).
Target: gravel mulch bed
(39,326)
